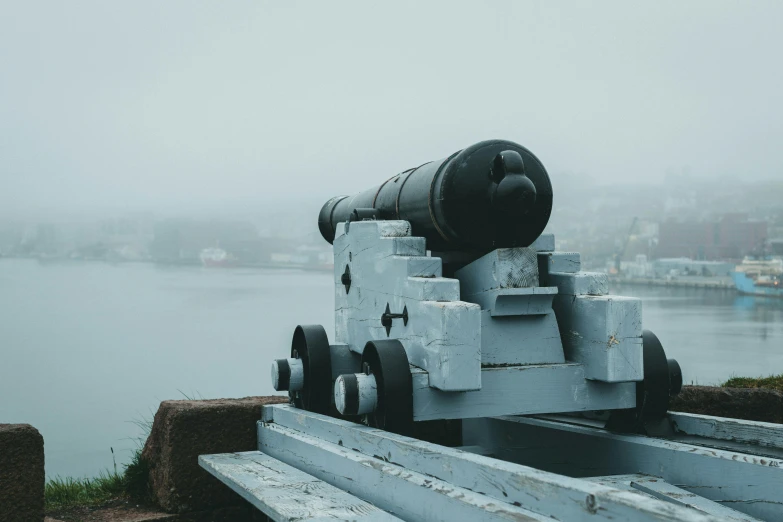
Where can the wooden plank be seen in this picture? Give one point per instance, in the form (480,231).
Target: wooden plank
(284,493)
(520,340)
(656,487)
(747,483)
(407,494)
(501,268)
(582,283)
(521,390)
(762,433)
(565,262)
(554,495)
(604,333)
(389,267)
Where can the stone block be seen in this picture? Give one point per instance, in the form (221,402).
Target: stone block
(183,430)
(21,473)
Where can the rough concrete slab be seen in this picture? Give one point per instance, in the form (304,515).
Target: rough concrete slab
(183,430)
(21,473)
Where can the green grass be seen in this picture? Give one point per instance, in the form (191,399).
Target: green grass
(774,382)
(64,492)
(133,482)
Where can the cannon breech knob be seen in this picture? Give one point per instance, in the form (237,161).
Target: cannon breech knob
(513,193)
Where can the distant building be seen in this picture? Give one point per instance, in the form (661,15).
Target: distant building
(182,240)
(733,236)
(688,267)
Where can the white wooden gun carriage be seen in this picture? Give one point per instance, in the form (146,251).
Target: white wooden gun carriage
(557,396)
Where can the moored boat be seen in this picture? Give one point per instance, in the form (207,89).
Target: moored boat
(763,277)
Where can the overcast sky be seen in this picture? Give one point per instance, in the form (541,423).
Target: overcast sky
(177,104)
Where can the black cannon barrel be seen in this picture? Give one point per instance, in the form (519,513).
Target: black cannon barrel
(493,194)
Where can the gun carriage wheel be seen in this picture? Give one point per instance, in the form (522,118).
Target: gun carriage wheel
(384,392)
(307,374)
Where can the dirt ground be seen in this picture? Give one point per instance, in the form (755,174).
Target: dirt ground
(124,510)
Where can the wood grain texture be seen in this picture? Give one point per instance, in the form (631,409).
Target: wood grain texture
(582,283)
(565,262)
(557,496)
(389,267)
(521,390)
(604,333)
(748,483)
(765,434)
(507,302)
(520,340)
(410,495)
(655,487)
(499,269)
(284,493)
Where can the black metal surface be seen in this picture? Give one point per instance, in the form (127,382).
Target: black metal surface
(652,394)
(311,345)
(364,214)
(387,316)
(490,195)
(351,394)
(283,375)
(388,362)
(675,377)
(345,279)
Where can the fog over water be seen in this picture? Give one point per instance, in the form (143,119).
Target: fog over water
(186,105)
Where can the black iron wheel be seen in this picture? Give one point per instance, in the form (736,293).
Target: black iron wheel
(311,345)
(387,360)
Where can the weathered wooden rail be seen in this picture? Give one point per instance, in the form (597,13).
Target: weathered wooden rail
(530,468)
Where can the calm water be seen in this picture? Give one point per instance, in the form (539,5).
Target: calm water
(87,348)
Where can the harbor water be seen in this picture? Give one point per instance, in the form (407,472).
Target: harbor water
(86,349)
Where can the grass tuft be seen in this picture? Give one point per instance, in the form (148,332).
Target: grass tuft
(133,482)
(136,477)
(774,382)
(63,492)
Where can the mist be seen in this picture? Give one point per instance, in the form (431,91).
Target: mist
(187,106)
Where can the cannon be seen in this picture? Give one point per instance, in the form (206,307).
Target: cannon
(453,306)
(494,194)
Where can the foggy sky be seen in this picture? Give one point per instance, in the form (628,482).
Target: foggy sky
(177,104)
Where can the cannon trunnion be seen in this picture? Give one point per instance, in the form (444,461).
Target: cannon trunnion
(558,395)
